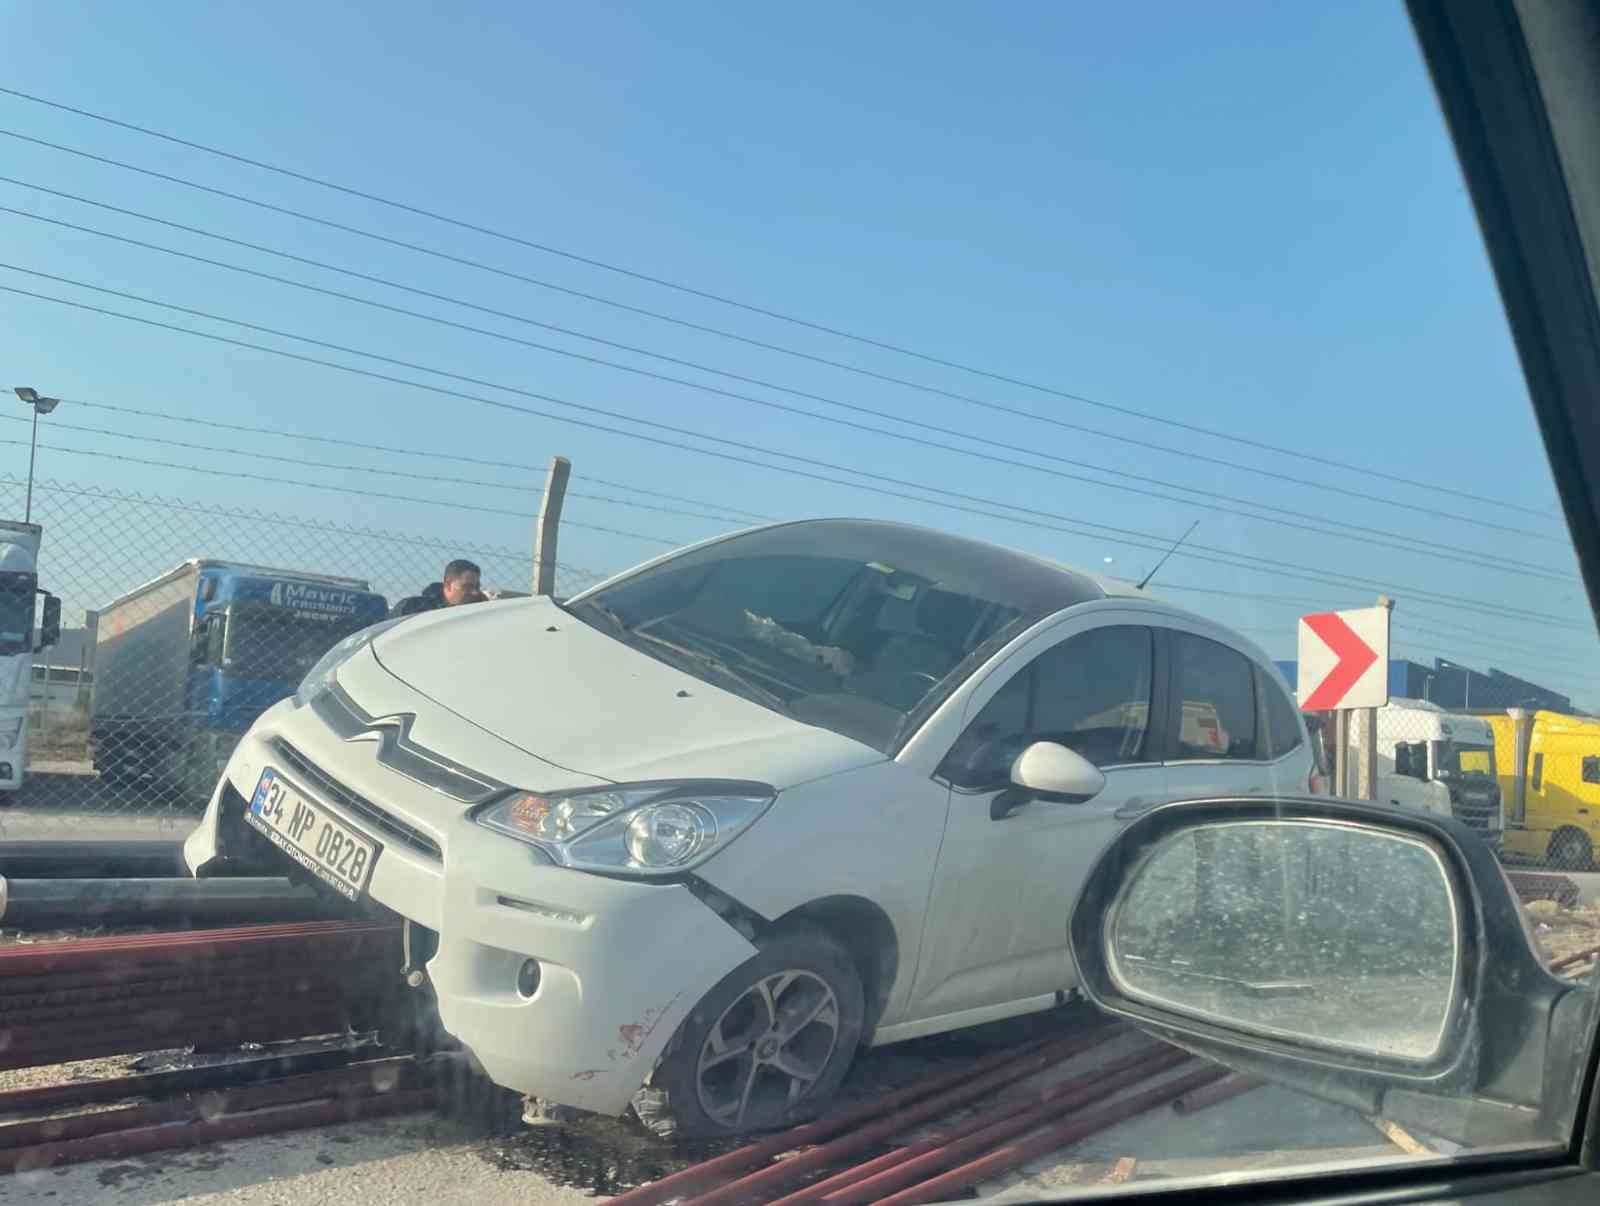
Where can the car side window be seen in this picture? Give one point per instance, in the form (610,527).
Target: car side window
(1216,687)
(1281,718)
(1591,769)
(1090,693)
(1538,771)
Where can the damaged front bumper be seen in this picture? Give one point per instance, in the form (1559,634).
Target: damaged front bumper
(563,985)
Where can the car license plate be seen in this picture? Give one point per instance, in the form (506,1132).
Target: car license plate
(312,836)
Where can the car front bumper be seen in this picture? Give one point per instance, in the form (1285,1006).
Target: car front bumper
(620,962)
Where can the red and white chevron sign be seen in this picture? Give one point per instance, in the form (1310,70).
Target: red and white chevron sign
(1344,660)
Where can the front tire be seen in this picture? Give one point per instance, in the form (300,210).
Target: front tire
(767,1046)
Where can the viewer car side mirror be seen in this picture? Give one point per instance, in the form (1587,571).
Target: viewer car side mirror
(50,624)
(1047,771)
(1374,958)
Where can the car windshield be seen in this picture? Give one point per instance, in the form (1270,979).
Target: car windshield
(850,626)
(278,648)
(817,479)
(1457,758)
(16,612)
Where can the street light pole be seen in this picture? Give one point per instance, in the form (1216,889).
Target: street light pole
(33,453)
(41,406)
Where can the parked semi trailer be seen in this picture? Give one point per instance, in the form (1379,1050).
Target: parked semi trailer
(184,664)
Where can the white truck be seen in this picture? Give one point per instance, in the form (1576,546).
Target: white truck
(1431,760)
(19,589)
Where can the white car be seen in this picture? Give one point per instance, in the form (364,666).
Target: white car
(690,839)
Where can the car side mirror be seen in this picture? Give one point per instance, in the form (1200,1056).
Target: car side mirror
(50,625)
(1371,957)
(1047,771)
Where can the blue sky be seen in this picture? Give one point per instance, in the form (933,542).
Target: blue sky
(1245,217)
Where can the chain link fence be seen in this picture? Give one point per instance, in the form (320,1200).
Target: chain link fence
(158,667)
(1527,779)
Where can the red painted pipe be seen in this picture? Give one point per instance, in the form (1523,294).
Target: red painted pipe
(908,1165)
(77,1094)
(188,945)
(758,1184)
(363,1080)
(1216,1093)
(1028,1057)
(166,1136)
(1575,958)
(1080,1127)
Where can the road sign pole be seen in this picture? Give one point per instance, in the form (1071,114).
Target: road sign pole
(1341,753)
(1367,772)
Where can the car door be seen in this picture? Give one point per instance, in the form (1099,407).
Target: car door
(1229,732)
(996,922)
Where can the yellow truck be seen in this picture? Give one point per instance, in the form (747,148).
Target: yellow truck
(1548,765)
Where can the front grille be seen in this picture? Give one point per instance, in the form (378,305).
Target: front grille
(1477,805)
(357,805)
(399,753)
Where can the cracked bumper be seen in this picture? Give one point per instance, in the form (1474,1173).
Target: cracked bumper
(620,962)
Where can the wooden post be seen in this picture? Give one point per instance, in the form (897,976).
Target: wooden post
(549,525)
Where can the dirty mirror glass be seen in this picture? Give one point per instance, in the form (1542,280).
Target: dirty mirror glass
(1327,934)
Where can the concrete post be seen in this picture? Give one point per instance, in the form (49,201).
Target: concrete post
(549,525)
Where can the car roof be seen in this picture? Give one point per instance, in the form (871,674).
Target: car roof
(1052,585)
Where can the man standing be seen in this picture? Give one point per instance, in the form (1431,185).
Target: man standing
(462,583)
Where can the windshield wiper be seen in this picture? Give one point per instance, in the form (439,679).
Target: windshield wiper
(599,609)
(711,661)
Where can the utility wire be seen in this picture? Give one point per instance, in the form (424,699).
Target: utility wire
(730,514)
(214,510)
(389,283)
(258,455)
(1230,437)
(1124,536)
(1511,646)
(1366,536)
(284,481)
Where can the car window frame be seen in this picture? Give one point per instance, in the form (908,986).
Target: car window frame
(1217,636)
(924,750)
(1264,684)
(1027,666)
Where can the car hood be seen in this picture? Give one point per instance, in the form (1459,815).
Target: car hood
(580,700)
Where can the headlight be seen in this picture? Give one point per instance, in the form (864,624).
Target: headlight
(647,829)
(320,677)
(10,730)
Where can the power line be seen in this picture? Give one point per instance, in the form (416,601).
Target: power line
(1344,531)
(1231,437)
(321,265)
(258,455)
(1367,536)
(216,510)
(731,514)
(1124,536)
(284,481)
(1510,647)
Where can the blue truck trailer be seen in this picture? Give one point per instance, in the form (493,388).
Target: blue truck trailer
(184,664)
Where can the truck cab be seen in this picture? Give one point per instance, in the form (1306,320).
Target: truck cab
(19,641)
(184,664)
(1430,760)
